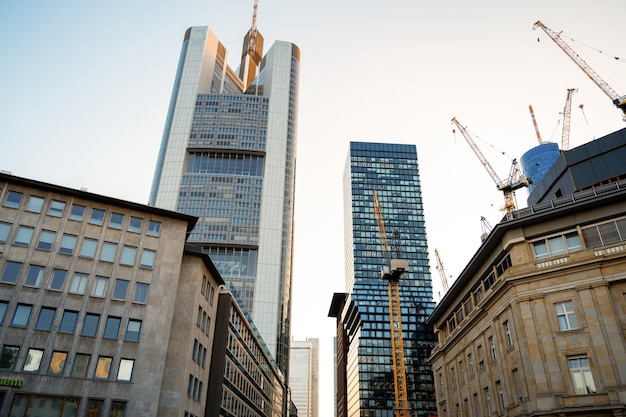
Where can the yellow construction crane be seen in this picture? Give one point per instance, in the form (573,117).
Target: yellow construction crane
(618,100)
(514,181)
(567,117)
(392,271)
(442,272)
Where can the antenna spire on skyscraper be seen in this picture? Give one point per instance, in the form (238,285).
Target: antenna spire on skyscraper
(253,30)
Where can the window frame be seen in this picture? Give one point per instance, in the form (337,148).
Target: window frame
(42,244)
(10,275)
(13,199)
(54,210)
(564,318)
(45,323)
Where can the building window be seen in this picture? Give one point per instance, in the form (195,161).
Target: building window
(68,244)
(118,409)
(112,328)
(79,283)
(581,375)
(57,363)
(58,280)
(488,399)
(56,208)
(88,250)
(94,407)
(13,199)
(470,363)
(147,258)
(507,332)
(11,272)
(462,372)
(24,236)
(34,276)
(154,228)
(566,316)
(501,395)
(116,220)
(107,253)
(492,349)
(120,289)
(3,309)
(100,287)
(81,364)
(90,325)
(97,216)
(45,319)
(135,225)
(5,228)
(103,367)
(557,245)
(35,204)
(8,357)
(141,293)
(46,239)
(129,253)
(125,371)
(77,213)
(68,322)
(21,315)
(133,331)
(33,360)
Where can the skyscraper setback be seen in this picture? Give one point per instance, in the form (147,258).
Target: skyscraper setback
(365,370)
(228,156)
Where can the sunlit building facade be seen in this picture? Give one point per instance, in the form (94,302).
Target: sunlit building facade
(304,376)
(364,337)
(228,156)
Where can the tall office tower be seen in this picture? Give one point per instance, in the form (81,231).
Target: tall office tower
(304,376)
(228,156)
(391,170)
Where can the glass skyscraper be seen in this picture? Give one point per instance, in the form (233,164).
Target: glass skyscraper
(391,170)
(228,156)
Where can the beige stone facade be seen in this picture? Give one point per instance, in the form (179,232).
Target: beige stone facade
(535,325)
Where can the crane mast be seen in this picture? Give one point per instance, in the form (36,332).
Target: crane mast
(619,101)
(532,115)
(567,118)
(392,271)
(442,272)
(253,31)
(508,187)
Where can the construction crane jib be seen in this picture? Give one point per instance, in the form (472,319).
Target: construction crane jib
(567,118)
(618,100)
(392,271)
(442,272)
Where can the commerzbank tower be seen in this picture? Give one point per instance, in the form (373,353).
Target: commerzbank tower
(228,156)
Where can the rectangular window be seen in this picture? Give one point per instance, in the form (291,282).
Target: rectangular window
(100,287)
(56,208)
(129,253)
(24,236)
(133,330)
(582,378)
(13,199)
(88,250)
(46,239)
(120,290)
(77,213)
(34,276)
(3,309)
(57,363)
(8,357)
(507,332)
(97,216)
(147,258)
(470,363)
(57,282)
(135,225)
(141,293)
(566,316)
(35,204)
(118,409)
(488,399)
(154,228)
(107,253)
(68,244)
(21,315)
(492,349)
(116,220)
(112,328)
(501,396)
(45,319)
(81,364)
(94,407)
(33,360)
(79,283)
(90,325)
(5,229)
(125,371)
(68,322)
(103,367)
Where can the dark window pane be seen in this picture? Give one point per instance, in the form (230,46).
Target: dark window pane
(45,319)
(21,315)
(68,322)
(121,287)
(112,328)
(97,216)
(90,326)
(77,213)
(141,293)
(133,330)
(58,280)
(11,272)
(8,357)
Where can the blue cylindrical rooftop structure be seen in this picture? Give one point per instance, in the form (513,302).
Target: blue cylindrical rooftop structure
(538,160)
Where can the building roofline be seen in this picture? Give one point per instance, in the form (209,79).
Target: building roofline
(192,250)
(336,305)
(27,182)
(539,213)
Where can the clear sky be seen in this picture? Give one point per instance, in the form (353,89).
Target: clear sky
(85,87)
